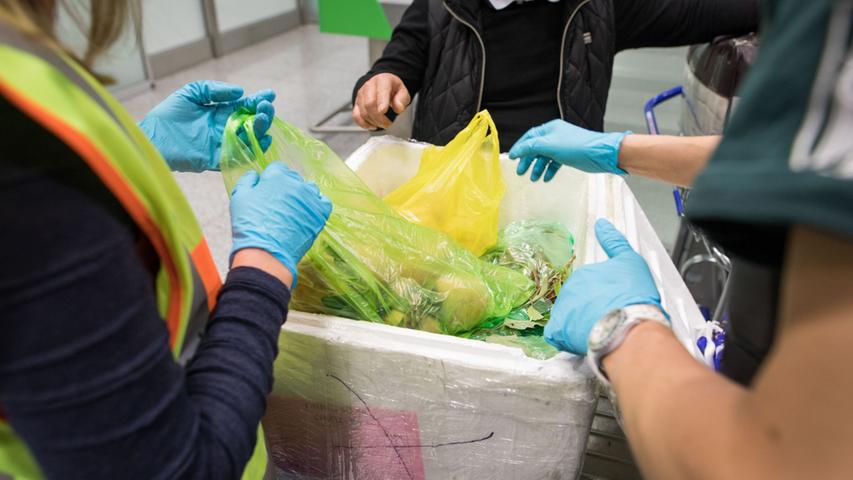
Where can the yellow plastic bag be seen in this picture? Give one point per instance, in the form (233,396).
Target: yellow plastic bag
(458,188)
(369,262)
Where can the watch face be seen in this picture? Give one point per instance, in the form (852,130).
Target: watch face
(604,329)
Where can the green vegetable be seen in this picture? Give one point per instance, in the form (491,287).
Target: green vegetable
(532,346)
(394,318)
(544,252)
(520,324)
(535,314)
(430,324)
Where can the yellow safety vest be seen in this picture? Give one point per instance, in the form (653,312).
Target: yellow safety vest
(63,98)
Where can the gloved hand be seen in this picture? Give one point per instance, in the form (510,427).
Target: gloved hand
(593,291)
(277,211)
(559,143)
(187,126)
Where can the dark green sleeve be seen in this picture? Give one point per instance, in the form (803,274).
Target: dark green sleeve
(787,156)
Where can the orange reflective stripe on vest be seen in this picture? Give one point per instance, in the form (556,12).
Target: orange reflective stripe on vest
(63,98)
(203,261)
(116,184)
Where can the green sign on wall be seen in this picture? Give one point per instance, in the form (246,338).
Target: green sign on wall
(363,18)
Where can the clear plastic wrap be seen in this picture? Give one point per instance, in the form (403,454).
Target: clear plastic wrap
(363,401)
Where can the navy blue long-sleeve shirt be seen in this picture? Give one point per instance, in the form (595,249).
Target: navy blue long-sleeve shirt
(86,375)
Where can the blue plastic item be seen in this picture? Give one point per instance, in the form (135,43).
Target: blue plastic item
(712,344)
(652,125)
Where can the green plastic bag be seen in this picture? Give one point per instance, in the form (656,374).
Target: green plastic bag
(541,250)
(544,252)
(370,263)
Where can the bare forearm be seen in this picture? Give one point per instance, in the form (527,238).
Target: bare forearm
(262,260)
(790,423)
(676,160)
(673,406)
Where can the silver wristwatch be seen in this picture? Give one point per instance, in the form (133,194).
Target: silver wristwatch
(609,333)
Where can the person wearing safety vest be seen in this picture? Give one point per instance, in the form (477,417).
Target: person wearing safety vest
(121,353)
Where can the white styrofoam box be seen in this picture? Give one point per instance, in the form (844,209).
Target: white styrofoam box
(574,198)
(357,400)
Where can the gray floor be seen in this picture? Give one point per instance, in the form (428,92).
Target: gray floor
(314,73)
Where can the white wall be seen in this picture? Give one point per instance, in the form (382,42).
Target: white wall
(231,14)
(168,24)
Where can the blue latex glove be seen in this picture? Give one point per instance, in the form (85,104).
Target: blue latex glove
(277,211)
(557,143)
(187,127)
(595,290)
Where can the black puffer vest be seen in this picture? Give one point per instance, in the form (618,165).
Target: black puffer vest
(453,91)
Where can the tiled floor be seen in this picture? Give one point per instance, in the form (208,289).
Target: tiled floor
(314,73)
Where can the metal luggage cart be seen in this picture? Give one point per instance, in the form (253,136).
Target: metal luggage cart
(694,253)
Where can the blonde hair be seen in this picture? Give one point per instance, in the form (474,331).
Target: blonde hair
(106,20)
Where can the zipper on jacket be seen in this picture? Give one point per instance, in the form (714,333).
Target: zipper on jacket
(563,56)
(482,46)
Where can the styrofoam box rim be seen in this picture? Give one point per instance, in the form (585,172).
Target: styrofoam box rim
(471,353)
(493,356)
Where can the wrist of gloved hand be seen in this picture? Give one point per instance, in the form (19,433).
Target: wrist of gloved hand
(278,212)
(548,147)
(595,290)
(274,249)
(604,153)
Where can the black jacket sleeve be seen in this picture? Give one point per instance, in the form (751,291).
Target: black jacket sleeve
(406,53)
(671,23)
(87,378)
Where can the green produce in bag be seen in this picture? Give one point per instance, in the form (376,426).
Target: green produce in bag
(544,252)
(541,250)
(370,263)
